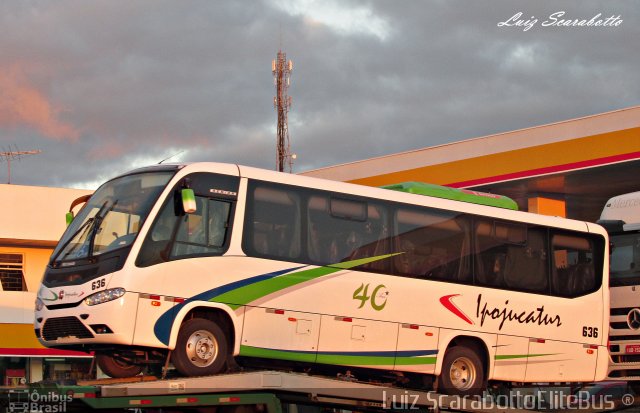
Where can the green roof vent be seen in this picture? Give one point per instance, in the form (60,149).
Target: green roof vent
(463,195)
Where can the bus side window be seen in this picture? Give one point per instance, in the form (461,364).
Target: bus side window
(203,232)
(526,265)
(574,271)
(273,219)
(490,255)
(511,255)
(318,236)
(370,239)
(158,241)
(343,230)
(432,245)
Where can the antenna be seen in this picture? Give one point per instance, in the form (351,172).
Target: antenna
(169,157)
(14,155)
(281,69)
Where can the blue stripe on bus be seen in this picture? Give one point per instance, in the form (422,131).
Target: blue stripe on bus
(162,328)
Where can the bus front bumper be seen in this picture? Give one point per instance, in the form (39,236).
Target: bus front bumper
(111,322)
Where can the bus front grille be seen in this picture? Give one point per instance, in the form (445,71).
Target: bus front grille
(619,325)
(621,311)
(55,328)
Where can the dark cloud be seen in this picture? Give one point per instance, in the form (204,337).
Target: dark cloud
(117,85)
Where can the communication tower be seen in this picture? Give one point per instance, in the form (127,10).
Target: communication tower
(281,68)
(14,155)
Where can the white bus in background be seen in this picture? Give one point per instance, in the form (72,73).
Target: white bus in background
(621,218)
(207,262)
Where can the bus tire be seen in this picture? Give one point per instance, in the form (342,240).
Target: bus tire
(201,349)
(116,367)
(462,372)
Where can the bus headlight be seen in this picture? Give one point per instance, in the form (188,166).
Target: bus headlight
(39,304)
(104,296)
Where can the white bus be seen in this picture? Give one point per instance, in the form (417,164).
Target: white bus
(621,218)
(207,262)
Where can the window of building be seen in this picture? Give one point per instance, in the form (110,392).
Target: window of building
(12,272)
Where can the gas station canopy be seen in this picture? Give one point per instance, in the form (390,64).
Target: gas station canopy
(569,168)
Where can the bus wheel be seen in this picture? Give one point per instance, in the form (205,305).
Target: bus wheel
(117,367)
(462,372)
(201,348)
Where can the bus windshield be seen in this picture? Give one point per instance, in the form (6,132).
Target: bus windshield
(112,217)
(625,259)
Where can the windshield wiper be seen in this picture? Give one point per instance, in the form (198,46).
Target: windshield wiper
(73,236)
(99,217)
(86,225)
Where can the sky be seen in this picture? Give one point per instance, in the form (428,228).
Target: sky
(102,87)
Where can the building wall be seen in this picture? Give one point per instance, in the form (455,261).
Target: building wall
(34,215)
(32,219)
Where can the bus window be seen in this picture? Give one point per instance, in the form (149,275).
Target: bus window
(490,255)
(432,244)
(273,222)
(526,264)
(175,234)
(573,266)
(511,256)
(342,230)
(157,243)
(625,259)
(203,232)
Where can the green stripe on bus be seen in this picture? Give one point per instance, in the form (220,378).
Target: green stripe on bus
(414,361)
(248,293)
(355,360)
(268,353)
(339,359)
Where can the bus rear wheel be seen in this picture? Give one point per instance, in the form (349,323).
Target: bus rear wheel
(117,367)
(201,349)
(462,372)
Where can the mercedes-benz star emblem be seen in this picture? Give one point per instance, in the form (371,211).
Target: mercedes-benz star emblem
(633,319)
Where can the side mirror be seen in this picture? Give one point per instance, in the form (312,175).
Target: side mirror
(69,217)
(188,201)
(80,200)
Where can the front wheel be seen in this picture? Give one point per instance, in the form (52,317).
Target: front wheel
(462,372)
(117,367)
(201,349)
